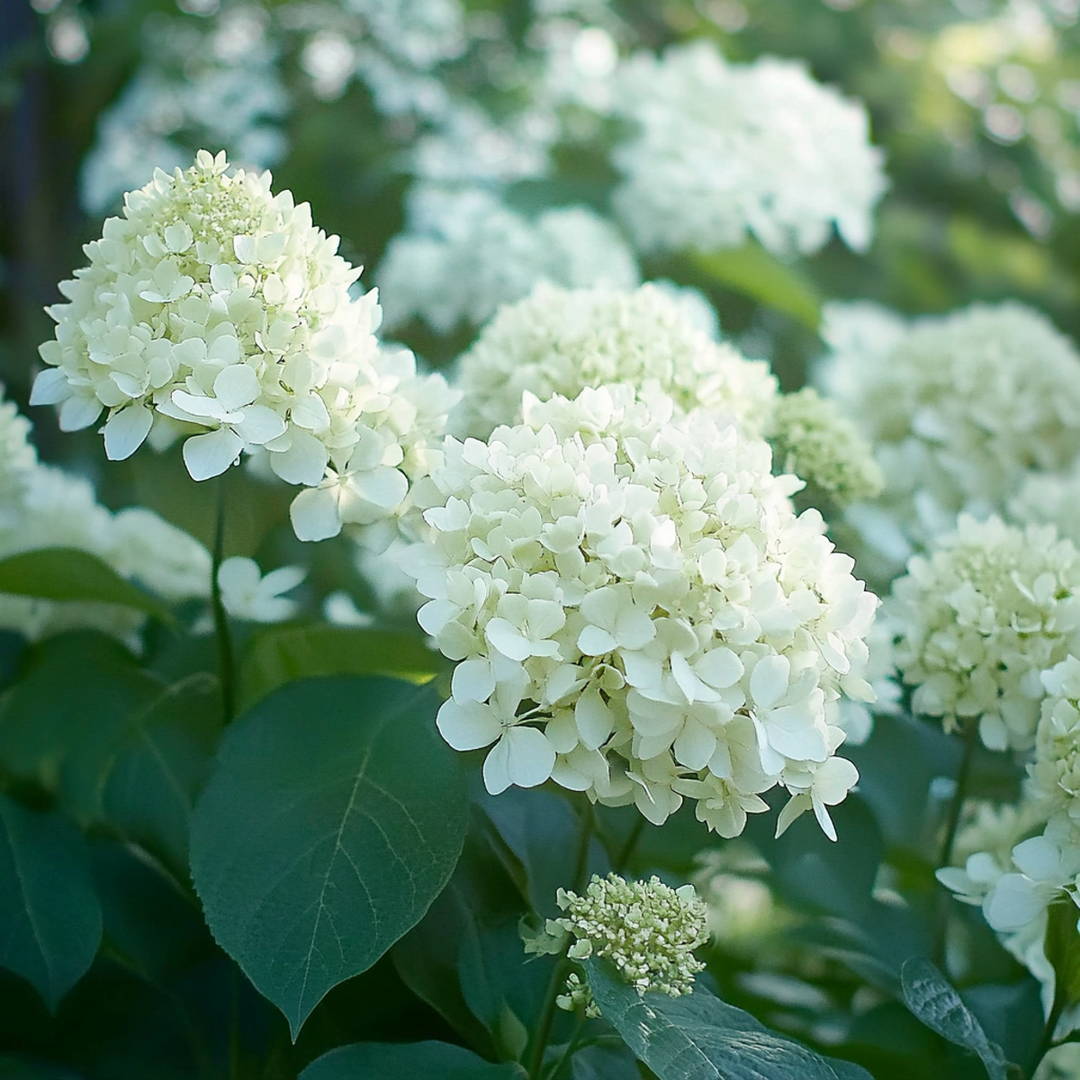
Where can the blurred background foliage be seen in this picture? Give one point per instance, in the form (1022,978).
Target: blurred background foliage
(976,104)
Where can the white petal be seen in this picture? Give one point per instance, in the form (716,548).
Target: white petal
(384,487)
(791,733)
(236,386)
(506,638)
(238,576)
(769,680)
(834,779)
(530,757)
(210,455)
(50,388)
(1038,857)
(595,721)
(259,425)
(593,641)
(314,514)
(720,668)
(796,806)
(473,680)
(126,430)
(695,745)
(79,412)
(468,726)
(303,463)
(281,580)
(1014,903)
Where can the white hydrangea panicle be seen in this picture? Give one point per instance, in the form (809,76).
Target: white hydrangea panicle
(958,408)
(720,151)
(18,459)
(646,929)
(465,253)
(559,341)
(978,618)
(1054,775)
(217,309)
(811,439)
(638,613)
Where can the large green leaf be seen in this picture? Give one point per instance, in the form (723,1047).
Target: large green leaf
(112,742)
(934,1001)
(72,574)
(50,917)
(408,1061)
(334,817)
(750,269)
(276,657)
(700,1037)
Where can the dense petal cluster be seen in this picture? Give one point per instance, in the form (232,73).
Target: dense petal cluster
(559,341)
(48,507)
(638,612)
(647,929)
(466,253)
(1049,499)
(216,308)
(722,150)
(958,408)
(980,617)
(1054,775)
(812,440)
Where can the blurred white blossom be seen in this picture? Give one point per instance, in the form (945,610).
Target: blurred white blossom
(720,151)
(465,253)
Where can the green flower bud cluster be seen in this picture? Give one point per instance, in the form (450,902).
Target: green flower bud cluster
(647,929)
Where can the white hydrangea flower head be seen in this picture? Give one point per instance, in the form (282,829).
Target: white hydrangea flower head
(724,150)
(647,929)
(811,439)
(1054,775)
(638,612)
(465,253)
(1049,498)
(979,617)
(559,341)
(168,561)
(958,408)
(213,306)
(18,459)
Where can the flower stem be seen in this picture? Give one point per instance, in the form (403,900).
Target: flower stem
(221,619)
(559,972)
(952,823)
(568,1053)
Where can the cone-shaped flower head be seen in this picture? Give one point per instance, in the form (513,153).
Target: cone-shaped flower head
(559,341)
(647,929)
(215,308)
(638,612)
(980,617)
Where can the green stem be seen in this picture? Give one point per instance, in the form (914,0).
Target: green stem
(952,824)
(568,1053)
(1046,1043)
(559,973)
(628,848)
(221,619)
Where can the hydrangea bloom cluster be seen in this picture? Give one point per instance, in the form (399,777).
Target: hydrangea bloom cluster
(43,506)
(811,439)
(562,340)
(722,150)
(466,253)
(1049,499)
(647,929)
(980,617)
(958,408)
(213,306)
(638,612)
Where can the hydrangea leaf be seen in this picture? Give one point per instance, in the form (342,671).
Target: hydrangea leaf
(751,270)
(49,911)
(934,1001)
(407,1061)
(334,817)
(1062,947)
(700,1037)
(281,655)
(71,574)
(111,741)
